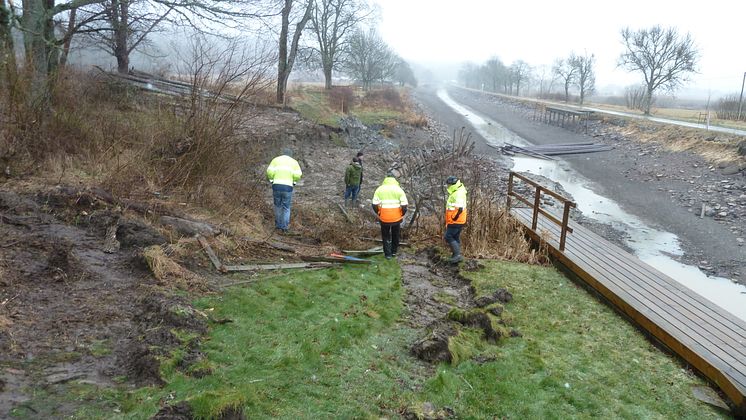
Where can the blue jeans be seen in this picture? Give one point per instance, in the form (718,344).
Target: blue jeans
(351,192)
(283,197)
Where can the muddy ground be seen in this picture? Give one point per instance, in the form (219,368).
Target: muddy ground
(79,302)
(666,189)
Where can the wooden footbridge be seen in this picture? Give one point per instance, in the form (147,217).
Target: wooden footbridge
(707,337)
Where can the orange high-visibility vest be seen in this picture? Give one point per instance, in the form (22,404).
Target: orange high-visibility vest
(389,198)
(456,199)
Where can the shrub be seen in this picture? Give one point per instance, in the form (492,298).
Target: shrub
(341,98)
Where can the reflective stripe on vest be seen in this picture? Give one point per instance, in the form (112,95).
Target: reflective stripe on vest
(284,170)
(389,198)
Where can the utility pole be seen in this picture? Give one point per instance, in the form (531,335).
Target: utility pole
(740,99)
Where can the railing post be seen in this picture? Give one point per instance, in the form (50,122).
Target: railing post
(510,190)
(563,232)
(537,200)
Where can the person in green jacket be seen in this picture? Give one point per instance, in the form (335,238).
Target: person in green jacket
(353,177)
(283,172)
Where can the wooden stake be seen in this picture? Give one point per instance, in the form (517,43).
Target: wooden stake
(210,253)
(347,215)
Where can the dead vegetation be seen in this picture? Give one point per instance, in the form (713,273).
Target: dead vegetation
(489,233)
(716,148)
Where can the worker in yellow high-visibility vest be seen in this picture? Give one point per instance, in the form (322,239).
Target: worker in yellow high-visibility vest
(283,172)
(390,204)
(455,216)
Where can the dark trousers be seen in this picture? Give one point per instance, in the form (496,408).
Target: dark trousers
(390,236)
(453,233)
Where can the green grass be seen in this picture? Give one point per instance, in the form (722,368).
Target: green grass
(577,359)
(313,104)
(328,344)
(376,116)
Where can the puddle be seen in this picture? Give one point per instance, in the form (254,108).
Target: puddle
(653,246)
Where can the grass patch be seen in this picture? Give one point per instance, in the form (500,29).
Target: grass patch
(577,359)
(327,344)
(313,105)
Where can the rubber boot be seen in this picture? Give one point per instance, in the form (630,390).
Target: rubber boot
(456,249)
(387,249)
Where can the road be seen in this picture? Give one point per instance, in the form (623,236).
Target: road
(709,127)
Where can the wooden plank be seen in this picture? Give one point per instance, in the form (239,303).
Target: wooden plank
(347,215)
(263,267)
(335,260)
(593,261)
(663,284)
(697,308)
(210,253)
(718,377)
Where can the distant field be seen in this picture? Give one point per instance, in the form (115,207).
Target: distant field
(690,115)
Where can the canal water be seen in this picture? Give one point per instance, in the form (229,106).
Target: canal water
(653,246)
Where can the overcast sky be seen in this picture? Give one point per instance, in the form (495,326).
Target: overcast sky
(539,31)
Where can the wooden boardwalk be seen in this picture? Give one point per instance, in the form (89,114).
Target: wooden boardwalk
(706,336)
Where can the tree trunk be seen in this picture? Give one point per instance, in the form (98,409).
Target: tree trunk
(327,67)
(282,63)
(37,23)
(120,24)
(648,100)
(8,69)
(285,58)
(68,37)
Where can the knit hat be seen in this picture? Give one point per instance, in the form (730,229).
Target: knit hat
(287,152)
(451,180)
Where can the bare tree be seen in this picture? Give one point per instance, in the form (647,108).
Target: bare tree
(368,58)
(469,75)
(545,79)
(332,21)
(495,71)
(7,47)
(664,58)
(41,43)
(404,74)
(285,58)
(565,69)
(586,75)
(520,72)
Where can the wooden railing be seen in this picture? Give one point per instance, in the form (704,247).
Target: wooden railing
(536,206)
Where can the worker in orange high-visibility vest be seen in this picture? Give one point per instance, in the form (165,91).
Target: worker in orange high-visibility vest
(455,216)
(390,204)
(283,172)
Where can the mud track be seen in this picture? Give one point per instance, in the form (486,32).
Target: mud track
(71,308)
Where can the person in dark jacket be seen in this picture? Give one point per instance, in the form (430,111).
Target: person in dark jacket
(353,177)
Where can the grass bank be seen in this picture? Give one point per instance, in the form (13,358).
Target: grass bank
(329,344)
(381,109)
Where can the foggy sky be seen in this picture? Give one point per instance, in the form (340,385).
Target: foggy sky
(538,32)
